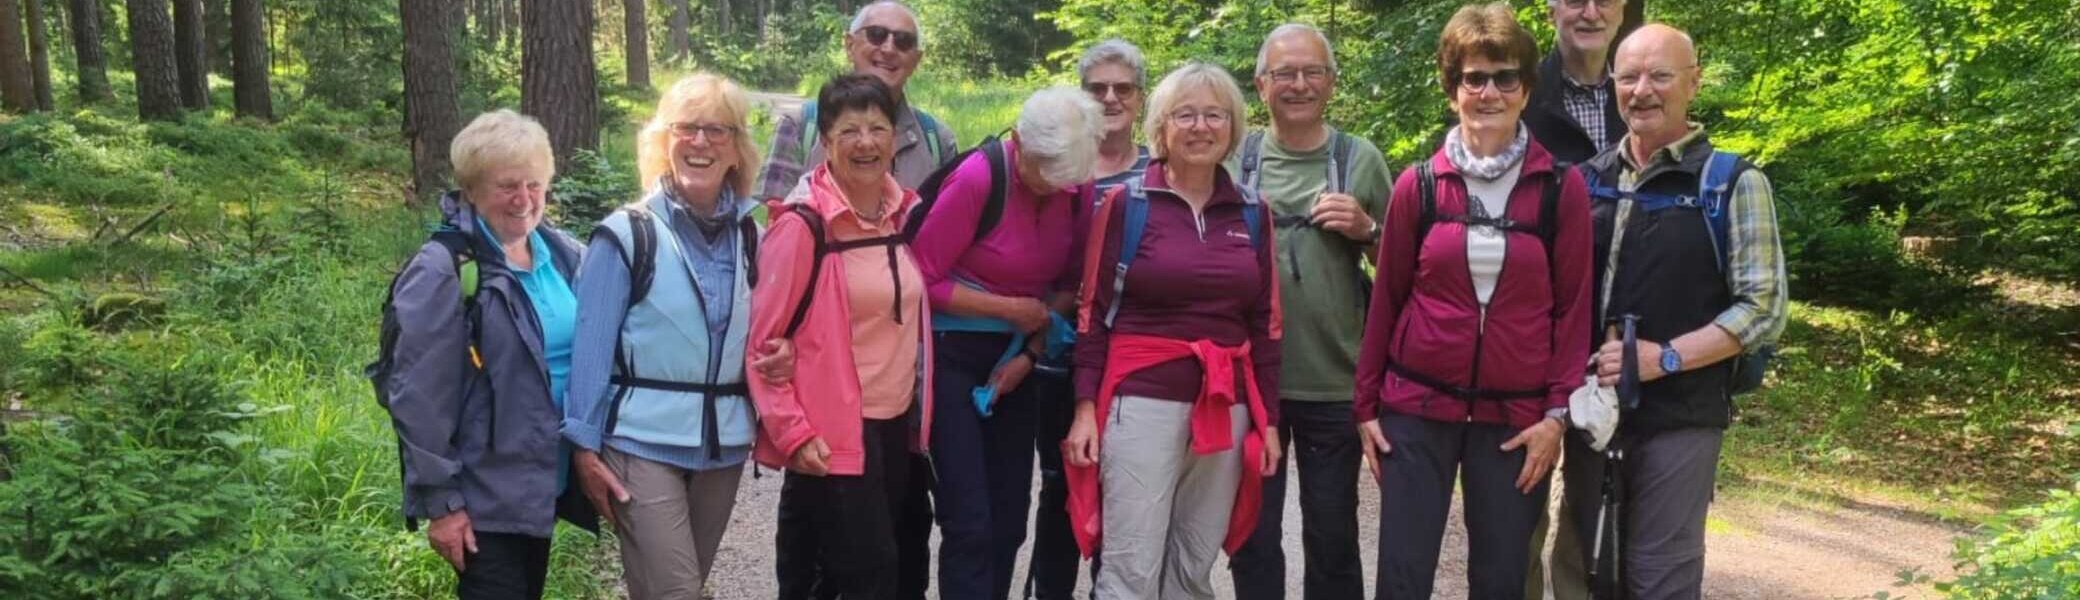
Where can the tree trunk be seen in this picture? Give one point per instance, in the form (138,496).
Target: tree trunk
(558,83)
(487,13)
(191,56)
(429,93)
(249,61)
(39,57)
(682,40)
(152,59)
(723,18)
(509,13)
(637,24)
(1635,16)
(91,67)
(17,91)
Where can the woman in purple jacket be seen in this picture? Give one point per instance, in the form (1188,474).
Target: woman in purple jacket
(1478,329)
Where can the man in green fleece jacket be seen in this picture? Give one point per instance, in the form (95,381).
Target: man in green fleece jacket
(1328,189)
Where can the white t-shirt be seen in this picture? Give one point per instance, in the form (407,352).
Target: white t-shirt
(1485,245)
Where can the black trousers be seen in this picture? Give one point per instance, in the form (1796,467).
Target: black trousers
(1329,456)
(1052,574)
(506,566)
(984,468)
(836,533)
(1415,499)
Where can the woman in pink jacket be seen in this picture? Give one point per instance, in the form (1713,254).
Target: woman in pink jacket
(1479,326)
(837,279)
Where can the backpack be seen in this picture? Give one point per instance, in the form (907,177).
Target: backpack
(992,149)
(1133,225)
(378,373)
(825,247)
(1548,206)
(1342,155)
(924,122)
(642,268)
(1714,191)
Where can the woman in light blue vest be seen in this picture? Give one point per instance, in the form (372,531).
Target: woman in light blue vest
(657,403)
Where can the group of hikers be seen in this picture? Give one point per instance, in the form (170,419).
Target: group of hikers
(1575,272)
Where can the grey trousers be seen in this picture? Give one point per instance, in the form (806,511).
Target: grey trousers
(672,525)
(1669,478)
(1165,509)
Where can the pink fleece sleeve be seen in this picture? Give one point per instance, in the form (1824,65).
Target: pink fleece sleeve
(784,260)
(1390,288)
(949,229)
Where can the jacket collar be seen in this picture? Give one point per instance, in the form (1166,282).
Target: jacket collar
(458,215)
(819,190)
(1157,179)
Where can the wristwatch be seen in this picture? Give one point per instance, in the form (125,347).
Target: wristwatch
(1373,237)
(1671,363)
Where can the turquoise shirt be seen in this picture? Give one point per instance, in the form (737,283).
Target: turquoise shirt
(557,309)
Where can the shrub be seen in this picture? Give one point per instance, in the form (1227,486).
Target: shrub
(591,187)
(2030,552)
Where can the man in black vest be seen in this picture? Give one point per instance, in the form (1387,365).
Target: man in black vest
(1575,117)
(1708,292)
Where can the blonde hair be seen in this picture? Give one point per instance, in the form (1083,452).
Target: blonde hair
(498,139)
(1194,76)
(701,95)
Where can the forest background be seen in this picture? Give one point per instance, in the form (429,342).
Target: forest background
(201,201)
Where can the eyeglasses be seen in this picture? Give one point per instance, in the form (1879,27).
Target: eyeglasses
(876,35)
(1505,81)
(1579,4)
(1313,74)
(715,133)
(1123,90)
(1187,118)
(1659,78)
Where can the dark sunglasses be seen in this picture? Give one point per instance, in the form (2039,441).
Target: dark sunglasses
(1097,89)
(1506,80)
(876,35)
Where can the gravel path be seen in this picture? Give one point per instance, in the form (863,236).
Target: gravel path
(1758,549)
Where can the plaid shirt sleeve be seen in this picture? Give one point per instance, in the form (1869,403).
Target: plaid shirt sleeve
(1756,271)
(784,163)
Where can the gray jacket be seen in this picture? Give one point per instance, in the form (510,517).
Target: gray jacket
(478,440)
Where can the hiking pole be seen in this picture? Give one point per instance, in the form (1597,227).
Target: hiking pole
(1606,569)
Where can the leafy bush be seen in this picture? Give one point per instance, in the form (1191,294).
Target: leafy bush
(2030,552)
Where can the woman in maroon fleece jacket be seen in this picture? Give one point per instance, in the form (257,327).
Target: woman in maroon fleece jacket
(1478,330)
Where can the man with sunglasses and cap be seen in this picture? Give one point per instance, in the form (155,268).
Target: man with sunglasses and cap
(1327,189)
(884,40)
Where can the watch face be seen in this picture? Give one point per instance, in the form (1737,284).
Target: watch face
(1670,361)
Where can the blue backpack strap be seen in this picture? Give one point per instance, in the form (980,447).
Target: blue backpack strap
(1253,217)
(931,134)
(1252,158)
(808,125)
(1714,193)
(1598,192)
(1132,226)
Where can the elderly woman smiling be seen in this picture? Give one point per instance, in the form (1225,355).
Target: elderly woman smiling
(1177,354)
(480,350)
(990,278)
(658,404)
(837,278)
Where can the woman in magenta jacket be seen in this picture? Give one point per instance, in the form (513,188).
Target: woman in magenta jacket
(1478,329)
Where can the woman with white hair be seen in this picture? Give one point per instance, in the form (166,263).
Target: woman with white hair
(996,252)
(1177,355)
(476,349)
(658,405)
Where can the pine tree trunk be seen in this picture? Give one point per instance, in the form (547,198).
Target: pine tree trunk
(191,56)
(509,13)
(17,91)
(39,57)
(249,62)
(1635,16)
(90,67)
(723,18)
(636,23)
(152,59)
(429,93)
(558,82)
(682,40)
(486,17)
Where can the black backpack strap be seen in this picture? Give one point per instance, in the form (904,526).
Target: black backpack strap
(814,222)
(747,235)
(1549,206)
(642,266)
(1341,150)
(1426,194)
(1000,176)
(1252,157)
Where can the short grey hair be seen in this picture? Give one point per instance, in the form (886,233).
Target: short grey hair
(1170,91)
(859,19)
(1059,127)
(1264,50)
(1113,51)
